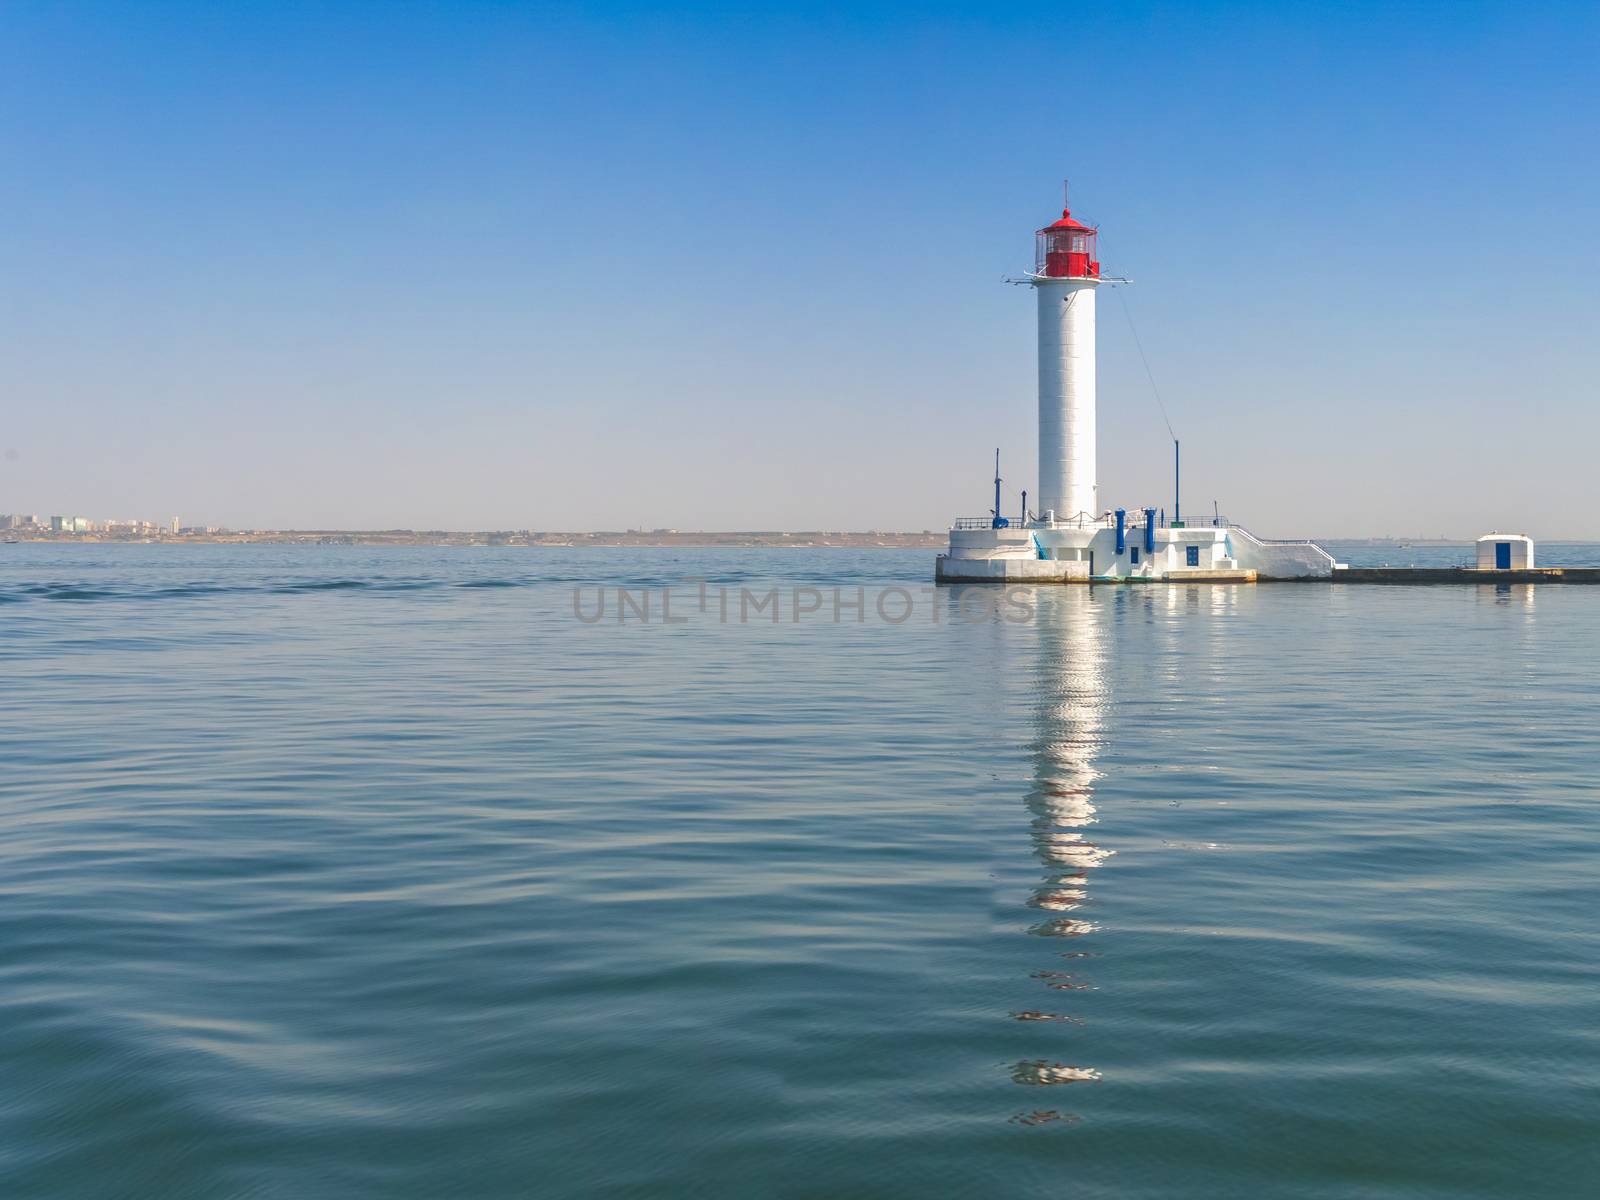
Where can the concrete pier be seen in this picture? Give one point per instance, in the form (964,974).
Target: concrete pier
(1039,570)
(1464,575)
(1009,570)
(1064,570)
(1189,575)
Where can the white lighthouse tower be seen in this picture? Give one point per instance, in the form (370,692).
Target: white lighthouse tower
(1072,535)
(1066,274)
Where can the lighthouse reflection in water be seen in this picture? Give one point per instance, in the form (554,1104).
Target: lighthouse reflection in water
(1068,719)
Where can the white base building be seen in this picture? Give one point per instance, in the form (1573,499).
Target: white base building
(1145,551)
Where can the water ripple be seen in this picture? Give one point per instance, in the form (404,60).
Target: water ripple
(337,872)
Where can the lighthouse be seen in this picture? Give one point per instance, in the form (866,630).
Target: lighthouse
(1065,276)
(1073,535)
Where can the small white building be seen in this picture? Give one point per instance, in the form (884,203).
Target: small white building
(1505,552)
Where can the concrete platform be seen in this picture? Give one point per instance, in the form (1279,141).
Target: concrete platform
(1042,570)
(1185,575)
(1465,575)
(1009,570)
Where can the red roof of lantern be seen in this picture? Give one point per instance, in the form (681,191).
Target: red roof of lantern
(1067,222)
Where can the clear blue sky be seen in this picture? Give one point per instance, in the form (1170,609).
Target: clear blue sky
(477,265)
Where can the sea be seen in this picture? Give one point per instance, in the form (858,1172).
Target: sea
(337,871)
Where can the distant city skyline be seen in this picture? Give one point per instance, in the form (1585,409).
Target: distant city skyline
(482,267)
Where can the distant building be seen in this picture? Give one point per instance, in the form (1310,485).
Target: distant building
(7,521)
(57,524)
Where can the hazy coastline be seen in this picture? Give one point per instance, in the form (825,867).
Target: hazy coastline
(534,539)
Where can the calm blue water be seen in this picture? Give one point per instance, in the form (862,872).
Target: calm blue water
(337,872)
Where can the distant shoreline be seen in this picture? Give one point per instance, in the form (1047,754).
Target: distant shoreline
(807,540)
(634,539)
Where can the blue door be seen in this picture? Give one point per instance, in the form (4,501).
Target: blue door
(1502,556)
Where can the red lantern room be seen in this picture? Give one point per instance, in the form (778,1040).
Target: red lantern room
(1067,250)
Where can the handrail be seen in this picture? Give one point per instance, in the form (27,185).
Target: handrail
(1108,520)
(1079,520)
(1278,541)
(975,523)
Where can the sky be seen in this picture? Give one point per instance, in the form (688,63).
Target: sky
(608,266)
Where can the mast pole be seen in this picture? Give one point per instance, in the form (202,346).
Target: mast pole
(997,517)
(1177,479)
